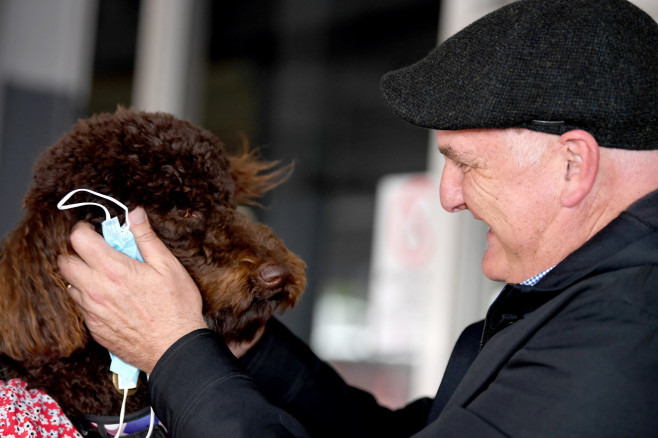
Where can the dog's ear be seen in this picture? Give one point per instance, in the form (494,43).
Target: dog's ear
(39,318)
(253,177)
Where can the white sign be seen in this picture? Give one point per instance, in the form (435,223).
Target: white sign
(404,246)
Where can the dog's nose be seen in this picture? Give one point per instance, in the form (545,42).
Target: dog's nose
(274,275)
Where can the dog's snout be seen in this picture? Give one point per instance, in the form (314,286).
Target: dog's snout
(274,275)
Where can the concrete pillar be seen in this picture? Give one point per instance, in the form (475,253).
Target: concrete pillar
(169,65)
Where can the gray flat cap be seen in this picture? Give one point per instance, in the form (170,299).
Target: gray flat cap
(546,65)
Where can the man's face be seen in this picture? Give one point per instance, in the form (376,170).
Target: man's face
(517,197)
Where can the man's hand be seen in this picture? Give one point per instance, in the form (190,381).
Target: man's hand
(136,310)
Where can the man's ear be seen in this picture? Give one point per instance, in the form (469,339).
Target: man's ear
(581,165)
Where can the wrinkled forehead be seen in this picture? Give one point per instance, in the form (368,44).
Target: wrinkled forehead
(480,148)
(470,144)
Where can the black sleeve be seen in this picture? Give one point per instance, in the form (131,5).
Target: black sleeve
(198,389)
(291,376)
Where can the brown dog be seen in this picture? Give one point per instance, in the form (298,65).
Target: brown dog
(190,189)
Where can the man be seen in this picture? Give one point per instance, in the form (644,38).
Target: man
(547,114)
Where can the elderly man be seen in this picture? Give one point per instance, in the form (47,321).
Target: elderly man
(547,114)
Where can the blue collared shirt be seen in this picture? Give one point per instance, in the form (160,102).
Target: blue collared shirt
(534,280)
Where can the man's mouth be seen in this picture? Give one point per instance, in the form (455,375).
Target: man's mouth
(478,218)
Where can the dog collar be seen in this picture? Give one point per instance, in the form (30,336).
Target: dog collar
(134,423)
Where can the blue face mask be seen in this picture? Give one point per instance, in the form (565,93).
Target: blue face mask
(122,239)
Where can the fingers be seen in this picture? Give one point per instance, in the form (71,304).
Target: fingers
(78,274)
(86,306)
(71,267)
(75,294)
(94,256)
(150,246)
(88,244)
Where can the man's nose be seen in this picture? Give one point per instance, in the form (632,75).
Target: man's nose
(450,190)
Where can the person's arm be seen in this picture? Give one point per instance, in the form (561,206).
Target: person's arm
(291,376)
(198,389)
(149,314)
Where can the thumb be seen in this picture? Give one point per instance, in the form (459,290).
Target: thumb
(150,246)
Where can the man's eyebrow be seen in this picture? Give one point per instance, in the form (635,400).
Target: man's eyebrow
(448,152)
(458,157)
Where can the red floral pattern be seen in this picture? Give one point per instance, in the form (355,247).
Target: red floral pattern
(31,413)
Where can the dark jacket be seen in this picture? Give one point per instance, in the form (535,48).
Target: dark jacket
(574,356)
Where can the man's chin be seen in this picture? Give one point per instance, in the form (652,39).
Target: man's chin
(491,267)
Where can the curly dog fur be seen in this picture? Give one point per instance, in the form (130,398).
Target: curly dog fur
(190,188)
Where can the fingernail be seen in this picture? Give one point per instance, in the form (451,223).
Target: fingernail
(137,216)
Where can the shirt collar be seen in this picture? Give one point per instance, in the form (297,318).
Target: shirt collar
(535,279)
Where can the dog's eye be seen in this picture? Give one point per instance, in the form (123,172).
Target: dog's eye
(186,213)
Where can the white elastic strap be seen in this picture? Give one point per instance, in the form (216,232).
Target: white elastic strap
(148,435)
(123,412)
(62,204)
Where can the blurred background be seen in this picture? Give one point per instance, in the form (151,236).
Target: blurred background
(392,278)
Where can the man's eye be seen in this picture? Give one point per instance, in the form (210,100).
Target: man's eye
(463,166)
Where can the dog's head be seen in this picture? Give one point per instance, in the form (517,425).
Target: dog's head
(190,190)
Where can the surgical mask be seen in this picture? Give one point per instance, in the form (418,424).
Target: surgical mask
(120,238)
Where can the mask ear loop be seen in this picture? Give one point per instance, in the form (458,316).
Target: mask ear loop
(62,203)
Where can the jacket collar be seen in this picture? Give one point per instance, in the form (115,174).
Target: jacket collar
(624,242)
(629,240)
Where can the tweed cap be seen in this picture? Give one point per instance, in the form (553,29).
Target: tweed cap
(545,65)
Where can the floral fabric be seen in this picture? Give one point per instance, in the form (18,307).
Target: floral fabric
(31,413)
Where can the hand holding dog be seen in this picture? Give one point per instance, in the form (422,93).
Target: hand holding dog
(136,310)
